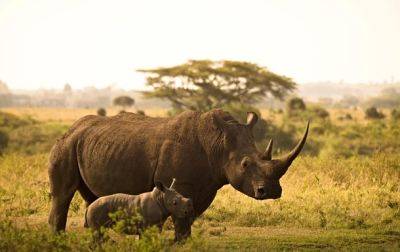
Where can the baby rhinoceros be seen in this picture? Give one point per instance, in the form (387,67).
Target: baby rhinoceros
(154,208)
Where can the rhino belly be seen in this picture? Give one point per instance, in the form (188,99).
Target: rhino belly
(116,167)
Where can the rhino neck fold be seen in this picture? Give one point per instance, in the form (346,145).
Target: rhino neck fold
(158,197)
(212,142)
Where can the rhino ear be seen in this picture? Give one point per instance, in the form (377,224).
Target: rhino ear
(160,186)
(252,119)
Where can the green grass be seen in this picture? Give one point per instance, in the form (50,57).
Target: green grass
(38,238)
(272,238)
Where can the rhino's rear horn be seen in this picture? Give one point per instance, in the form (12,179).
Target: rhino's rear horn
(267,155)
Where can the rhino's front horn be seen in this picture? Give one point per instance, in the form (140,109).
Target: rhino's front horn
(287,160)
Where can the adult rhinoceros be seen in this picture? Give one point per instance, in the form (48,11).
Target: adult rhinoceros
(128,152)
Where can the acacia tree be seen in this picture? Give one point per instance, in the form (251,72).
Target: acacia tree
(204,84)
(123,101)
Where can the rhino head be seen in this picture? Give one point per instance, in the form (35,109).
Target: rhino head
(174,202)
(253,173)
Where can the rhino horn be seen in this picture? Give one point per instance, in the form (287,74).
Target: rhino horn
(172,184)
(252,119)
(267,155)
(287,160)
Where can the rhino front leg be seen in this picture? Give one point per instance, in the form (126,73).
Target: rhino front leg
(64,182)
(59,212)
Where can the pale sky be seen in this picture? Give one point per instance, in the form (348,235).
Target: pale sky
(47,43)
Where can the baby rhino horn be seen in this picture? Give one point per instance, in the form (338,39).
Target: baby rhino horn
(173,183)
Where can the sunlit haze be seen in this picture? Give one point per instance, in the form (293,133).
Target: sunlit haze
(47,43)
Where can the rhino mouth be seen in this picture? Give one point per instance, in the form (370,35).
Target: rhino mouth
(267,197)
(260,193)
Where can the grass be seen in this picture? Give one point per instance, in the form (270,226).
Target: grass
(272,238)
(326,204)
(322,193)
(329,202)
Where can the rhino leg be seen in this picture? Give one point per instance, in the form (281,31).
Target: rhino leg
(64,181)
(183,228)
(87,195)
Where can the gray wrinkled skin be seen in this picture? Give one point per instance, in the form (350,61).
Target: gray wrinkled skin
(154,208)
(128,152)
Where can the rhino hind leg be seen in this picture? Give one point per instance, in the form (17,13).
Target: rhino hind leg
(87,196)
(64,182)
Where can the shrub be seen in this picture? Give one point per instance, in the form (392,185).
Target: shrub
(3,140)
(320,112)
(140,112)
(373,113)
(395,114)
(10,121)
(37,138)
(125,222)
(295,105)
(101,112)
(344,117)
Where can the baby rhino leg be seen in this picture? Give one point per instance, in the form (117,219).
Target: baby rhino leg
(96,219)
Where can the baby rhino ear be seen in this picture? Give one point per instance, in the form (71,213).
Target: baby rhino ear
(160,186)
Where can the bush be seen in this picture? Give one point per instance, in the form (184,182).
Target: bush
(37,138)
(9,121)
(140,112)
(3,140)
(15,238)
(295,105)
(101,112)
(320,112)
(373,113)
(344,117)
(395,114)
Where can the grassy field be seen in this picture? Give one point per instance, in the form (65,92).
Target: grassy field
(330,200)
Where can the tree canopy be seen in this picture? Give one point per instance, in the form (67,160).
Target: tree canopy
(67,88)
(123,101)
(205,84)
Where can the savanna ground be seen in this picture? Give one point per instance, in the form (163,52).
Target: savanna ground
(343,193)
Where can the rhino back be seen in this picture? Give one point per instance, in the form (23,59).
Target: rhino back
(122,153)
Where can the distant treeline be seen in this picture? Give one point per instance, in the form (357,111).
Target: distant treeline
(90,97)
(387,96)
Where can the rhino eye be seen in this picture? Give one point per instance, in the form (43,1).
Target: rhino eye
(245,162)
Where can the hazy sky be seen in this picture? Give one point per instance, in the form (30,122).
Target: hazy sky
(47,43)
